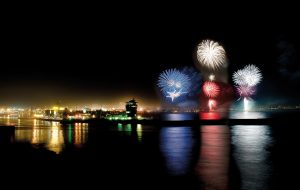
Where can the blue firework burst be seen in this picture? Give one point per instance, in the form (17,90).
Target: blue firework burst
(196,82)
(174,85)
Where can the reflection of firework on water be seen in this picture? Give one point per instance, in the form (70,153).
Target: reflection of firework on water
(210,54)
(245,91)
(250,76)
(174,84)
(211,89)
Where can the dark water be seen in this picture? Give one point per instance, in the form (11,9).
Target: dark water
(204,157)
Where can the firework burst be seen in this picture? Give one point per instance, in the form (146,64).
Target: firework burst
(174,84)
(245,91)
(196,82)
(253,75)
(211,89)
(211,54)
(250,76)
(246,80)
(239,77)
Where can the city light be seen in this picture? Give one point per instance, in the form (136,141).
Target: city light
(38,115)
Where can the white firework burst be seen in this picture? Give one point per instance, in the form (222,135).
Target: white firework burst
(239,77)
(175,94)
(250,76)
(211,54)
(253,75)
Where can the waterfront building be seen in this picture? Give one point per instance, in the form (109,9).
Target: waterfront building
(79,115)
(49,113)
(87,110)
(131,109)
(100,114)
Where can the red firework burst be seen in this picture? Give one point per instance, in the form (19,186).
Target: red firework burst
(211,89)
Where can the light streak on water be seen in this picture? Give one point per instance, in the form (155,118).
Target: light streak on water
(139,132)
(176,145)
(250,143)
(213,164)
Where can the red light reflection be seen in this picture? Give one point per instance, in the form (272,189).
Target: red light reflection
(209,116)
(213,164)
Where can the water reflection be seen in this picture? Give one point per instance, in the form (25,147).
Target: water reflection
(178,116)
(213,164)
(81,134)
(139,132)
(56,143)
(77,142)
(37,134)
(52,135)
(120,127)
(70,133)
(209,116)
(179,149)
(247,115)
(85,133)
(250,143)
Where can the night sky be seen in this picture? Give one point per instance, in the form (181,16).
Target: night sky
(109,54)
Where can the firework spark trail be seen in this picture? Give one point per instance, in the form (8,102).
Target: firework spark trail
(210,54)
(174,84)
(211,103)
(245,104)
(211,89)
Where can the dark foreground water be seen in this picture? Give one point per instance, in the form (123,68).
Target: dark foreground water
(113,157)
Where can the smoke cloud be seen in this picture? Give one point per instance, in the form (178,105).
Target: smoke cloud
(287,60)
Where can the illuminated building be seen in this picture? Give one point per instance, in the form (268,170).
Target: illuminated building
(87,110)
(131,108)
(49,113)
